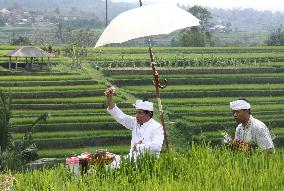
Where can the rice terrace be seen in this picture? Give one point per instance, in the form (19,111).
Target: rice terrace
(61,129)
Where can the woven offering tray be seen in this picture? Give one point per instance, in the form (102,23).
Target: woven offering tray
(101,157)
(240,145)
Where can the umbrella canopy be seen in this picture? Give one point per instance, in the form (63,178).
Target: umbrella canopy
(146,21)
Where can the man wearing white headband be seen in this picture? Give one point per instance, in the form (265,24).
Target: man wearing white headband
(147,134)
(250,130)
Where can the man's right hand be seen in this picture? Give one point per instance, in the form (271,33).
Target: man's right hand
(110,91)
(109,94)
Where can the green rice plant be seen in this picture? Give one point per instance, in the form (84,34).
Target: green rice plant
(83,126)
(194,76)
(277,131)
(78,142)
(53,88)
(224,108)
(74,134)
(2,69)
(225,118)
(97,99)
(149,88)
(189,60)
(78,112)
(221,100)
(201,168)
(43,78)
(68,119)
(189,50)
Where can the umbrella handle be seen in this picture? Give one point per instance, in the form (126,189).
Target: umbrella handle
(159,83)
(158,86)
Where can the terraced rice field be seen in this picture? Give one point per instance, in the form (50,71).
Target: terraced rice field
(201,96)
(78,119)
(201,83)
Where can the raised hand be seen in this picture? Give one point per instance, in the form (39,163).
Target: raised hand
(110,91)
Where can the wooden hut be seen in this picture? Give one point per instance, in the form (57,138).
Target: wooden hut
(28,52)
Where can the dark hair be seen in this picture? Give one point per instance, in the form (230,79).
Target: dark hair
(244,99)
(150,113)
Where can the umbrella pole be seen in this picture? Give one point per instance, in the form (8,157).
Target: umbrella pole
(158,86)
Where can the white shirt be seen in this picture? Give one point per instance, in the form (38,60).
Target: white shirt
(151,133)
(255,132)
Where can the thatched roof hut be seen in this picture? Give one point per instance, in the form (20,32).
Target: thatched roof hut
(28,52)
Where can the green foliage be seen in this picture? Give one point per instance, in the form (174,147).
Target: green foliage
(192,37)
(66,77)
(47,48)
(228,72)
(20,153)
(21,40)
(14,155)
(5,126)
(197,36)
(3,20)
(84,38)
(183,135)
(276,38)
(54,88)
(200,168)
(203,15)
(76,52)
(80,23)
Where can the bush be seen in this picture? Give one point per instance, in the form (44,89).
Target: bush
(14,156)
(21,40)
(276,38)
(182,136)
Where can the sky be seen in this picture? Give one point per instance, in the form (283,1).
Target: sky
(273,5)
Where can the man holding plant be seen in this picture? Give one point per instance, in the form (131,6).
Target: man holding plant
(250,131)
(147,134)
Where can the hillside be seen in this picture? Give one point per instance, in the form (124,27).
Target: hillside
(65,6)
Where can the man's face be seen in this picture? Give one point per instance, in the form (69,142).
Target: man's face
(141,117)
(240,116)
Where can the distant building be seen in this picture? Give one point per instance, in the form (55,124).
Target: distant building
(218,28)
(5,12)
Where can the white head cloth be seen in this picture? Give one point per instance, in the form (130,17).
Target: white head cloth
(145,105)
(239,105)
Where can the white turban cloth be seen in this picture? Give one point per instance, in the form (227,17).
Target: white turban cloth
(239,105)
(145,105)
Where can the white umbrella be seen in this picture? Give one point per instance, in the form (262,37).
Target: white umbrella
(146,21)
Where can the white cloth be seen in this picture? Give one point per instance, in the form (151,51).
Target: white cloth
(255,132)
(239,105)
(145,105)
(150,133)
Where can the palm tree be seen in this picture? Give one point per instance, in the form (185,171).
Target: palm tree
(14,155)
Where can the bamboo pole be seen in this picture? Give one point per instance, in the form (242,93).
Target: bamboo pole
(158,86)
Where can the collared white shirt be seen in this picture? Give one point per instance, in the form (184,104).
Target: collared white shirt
(150,133)
(255,132)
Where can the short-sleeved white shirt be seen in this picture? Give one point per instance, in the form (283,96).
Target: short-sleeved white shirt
(255,132)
